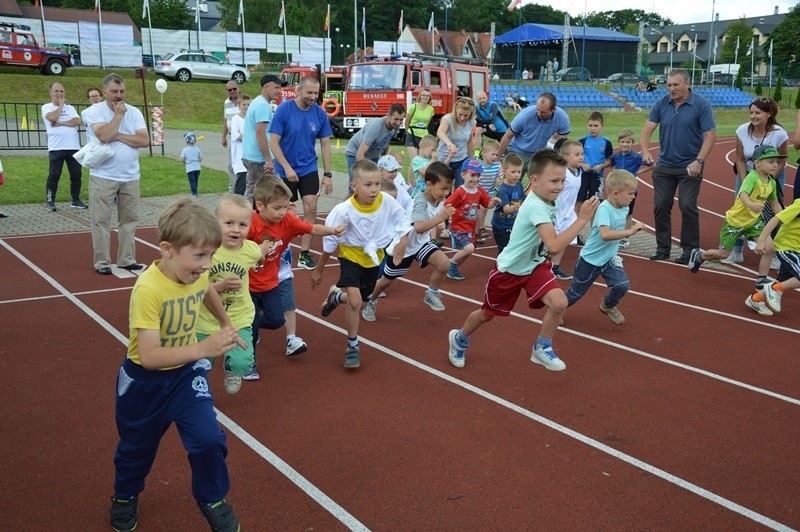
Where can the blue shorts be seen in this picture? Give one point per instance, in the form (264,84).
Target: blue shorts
(286,290)
(461,239)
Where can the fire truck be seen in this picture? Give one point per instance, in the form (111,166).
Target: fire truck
(19,47)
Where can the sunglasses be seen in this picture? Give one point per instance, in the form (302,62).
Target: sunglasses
(762,100)
(467,101)
(233,89)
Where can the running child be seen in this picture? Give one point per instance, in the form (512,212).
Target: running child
(489,181)
(191,156)
(390,169)
(572,151)
(627,159)
(511,195)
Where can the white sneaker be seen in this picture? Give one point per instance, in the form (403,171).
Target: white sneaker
(735,257)
(433,300)
(773,297)
(758,306)
(368,312)
(624,243)
(547,358)
(295,346)
(775,264)
(233,383)
(457,351)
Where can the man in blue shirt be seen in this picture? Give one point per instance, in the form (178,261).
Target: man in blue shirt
(687,134)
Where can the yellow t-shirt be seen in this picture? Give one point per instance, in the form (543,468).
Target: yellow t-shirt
(788,237)
(158,303)
(238,305)
(759,191)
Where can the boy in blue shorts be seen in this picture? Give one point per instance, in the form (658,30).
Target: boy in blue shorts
(598,256)
(164,377)
(525,263)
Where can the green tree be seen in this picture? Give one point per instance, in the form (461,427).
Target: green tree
(797,100)
(618,20)
(739,79)
(778,95)
(727,52)
(759,90)
(164,14)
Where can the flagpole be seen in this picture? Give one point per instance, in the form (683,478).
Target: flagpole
(399,33)
(283,10)
(364,28)
(770,62)
(150,27)
(736,57)
(752,61)
(41,9)
(197,13)
(328,28)
(694,57)
(100,30)
(355,30)
(241,21)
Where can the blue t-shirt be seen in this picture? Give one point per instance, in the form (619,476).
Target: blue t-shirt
(191,155)
(299,131)
(259,111)
(531,133)
(597,251)
(596,150)
(630,161)
(509,195)
(681,128)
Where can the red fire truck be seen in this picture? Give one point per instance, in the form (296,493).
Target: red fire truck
(19,47)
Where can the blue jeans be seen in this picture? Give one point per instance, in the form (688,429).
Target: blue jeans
(584,274)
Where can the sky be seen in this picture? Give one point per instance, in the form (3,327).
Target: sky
(680,11)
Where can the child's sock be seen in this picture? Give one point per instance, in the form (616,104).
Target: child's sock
(544,343)
(461,338)
(290,337)
(337,297)
(352,342)
(777,286)
(433,290)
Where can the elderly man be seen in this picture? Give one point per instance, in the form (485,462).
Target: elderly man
(687,134)
(294,131)
(61,122)
(230,108)
(372,141)
(122,126)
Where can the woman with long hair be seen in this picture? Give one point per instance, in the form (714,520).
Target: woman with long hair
(456,136)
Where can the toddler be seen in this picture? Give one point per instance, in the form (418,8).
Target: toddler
(191,156)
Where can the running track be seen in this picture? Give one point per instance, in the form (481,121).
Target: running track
(686,417)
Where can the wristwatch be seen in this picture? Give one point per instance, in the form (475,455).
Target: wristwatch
(701,161)
(327,174)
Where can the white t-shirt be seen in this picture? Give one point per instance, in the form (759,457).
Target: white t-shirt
(124,164)
(403,197)
(565,210)
(775,138)
(230,109)
(420,210)
(237,130)
(89,133)
(61,137)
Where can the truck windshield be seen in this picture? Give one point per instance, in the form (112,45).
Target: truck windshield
(377,76)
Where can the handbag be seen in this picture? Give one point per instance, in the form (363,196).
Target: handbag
(93,153)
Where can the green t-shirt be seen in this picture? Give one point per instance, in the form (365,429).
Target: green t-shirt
(419,119)
(525,248)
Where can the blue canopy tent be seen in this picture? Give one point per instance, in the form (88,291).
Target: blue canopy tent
(531,35)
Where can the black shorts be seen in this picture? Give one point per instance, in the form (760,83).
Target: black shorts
(306,185)
(411,140)
(590,185)
(390,271)
(355,275)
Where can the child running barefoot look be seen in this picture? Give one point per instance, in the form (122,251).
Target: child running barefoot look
(599,256)
(164,377)
(525,264)
(372,221)
(744,218)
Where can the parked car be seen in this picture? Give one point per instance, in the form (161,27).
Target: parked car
(574,74)
(198,64)
(661,79)
(622,77)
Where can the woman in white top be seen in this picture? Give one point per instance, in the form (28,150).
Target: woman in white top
(455,136)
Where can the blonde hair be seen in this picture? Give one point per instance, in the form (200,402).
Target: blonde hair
(428,140)
(567,145)
(625,134)
(233,199)
(364,166)
(270,188)
(187,223)
(464,103)
(491,144)
(619,180)
(511,159)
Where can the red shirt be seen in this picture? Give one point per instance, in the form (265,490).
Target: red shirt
(281,233)
(465,219)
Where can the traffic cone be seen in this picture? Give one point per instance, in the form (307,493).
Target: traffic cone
(24,122)
(2,179)
(201,137)
(338,144)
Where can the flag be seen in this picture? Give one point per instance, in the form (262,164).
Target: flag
(196,12)
(750,49)
(430,24)
(514,5)
(327,25)
(96,6)
(145,8)
(694,48)
(282,16)
(240,17)
(400,25)
(769,53)
(363,20)
(716,43)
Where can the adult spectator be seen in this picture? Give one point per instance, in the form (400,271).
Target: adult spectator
(525,74)
(256,156)
(230,108)
(417,120)
(61,122)
(533,127)
(455,136)
(94,95)
(294,130)
(549,67)
(687,133)
(122,126)
(489,117)
(555,65)
(372,140)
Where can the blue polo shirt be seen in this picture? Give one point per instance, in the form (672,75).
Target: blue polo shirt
(531,133)
(681,128)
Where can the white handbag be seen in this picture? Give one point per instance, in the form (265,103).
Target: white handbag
(93,153)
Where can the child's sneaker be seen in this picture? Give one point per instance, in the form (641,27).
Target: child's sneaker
(773,297)
(736,257)
(444,234)
(220,516)
(561,274)
(368,312)
(758,306)
(613,313)
(233,382)
(305,261)
(454,273)
(123,514)
(762,281)
(433,300)
(695,260)
(295,346)
(382,295)
(352,357)
(251,375)
(547,358)
(624,243)
(458,350)
(330,302)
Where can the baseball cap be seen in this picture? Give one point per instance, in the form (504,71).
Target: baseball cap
(766,152)
(190,137)
(473,166)
(273,78)
(388,163)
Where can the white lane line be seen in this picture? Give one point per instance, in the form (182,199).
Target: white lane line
(635,462)
(312,491)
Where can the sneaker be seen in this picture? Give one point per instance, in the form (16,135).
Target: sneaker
(220,516)
(613,313)
(444,234)
(624,243)
(368,312)
(295,346)
(433,300)
(329,305)
(547,358)
(773,297)
(454,273)
(761,282)
(251,375)
(735,257)
(561,274)
(695,260)
(51,206)
(233,383)
(457,350)
(382,295)
(775,264)
(304,260)
(579,241)
(123,514)
(758,306)
(78,204)
(352,357)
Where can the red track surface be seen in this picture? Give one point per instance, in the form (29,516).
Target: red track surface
(686,417)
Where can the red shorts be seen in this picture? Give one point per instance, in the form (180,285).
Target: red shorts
(502,289)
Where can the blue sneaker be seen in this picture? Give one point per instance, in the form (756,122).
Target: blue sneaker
(352,357)
(454,273)
(547,358)
(457,350)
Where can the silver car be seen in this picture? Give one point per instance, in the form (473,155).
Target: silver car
(197,64)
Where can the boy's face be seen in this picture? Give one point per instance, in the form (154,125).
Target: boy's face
(438,193)
(427,150)
(243,106)
(491,156)
(274,211)
(187,264)
(595,128)
(512,174)
(621,198)
(235,222)
(574,157)
(767,166)
(470,179)
(549,183)
(626,144)
(366,187)
(388,175)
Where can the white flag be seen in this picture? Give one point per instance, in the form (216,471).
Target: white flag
(737,46)
(145,8)
(240,18)
(750,49)
(282,17)
(716,44)
(196,11)
(430,24)
(769,54)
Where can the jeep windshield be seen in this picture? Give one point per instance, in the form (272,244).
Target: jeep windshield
(377,76)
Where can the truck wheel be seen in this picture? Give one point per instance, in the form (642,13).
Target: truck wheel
(183,75)
(54,67)
(238,77)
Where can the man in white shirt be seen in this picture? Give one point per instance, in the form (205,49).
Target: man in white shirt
(61,122)
(230,109)
(123,127)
